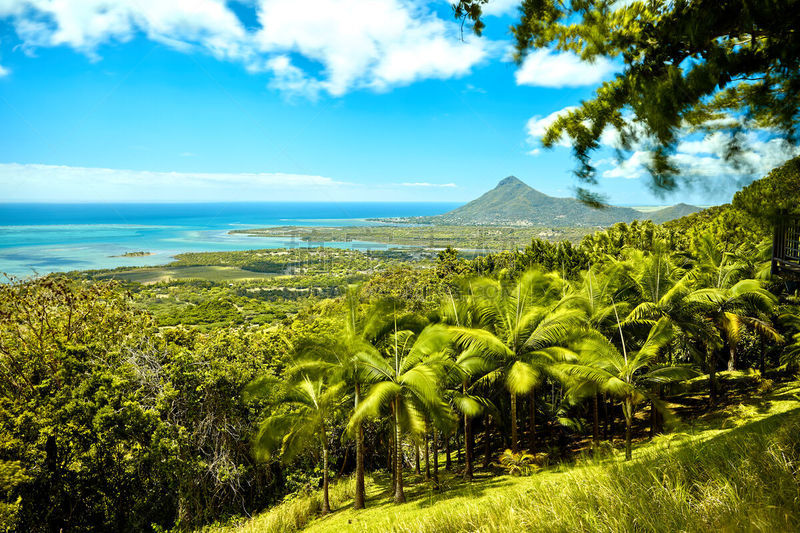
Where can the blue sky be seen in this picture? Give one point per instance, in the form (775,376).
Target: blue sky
(327,100)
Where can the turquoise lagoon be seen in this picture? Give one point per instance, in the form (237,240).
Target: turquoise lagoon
(44,238)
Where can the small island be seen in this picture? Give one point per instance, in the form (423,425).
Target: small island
(134,254)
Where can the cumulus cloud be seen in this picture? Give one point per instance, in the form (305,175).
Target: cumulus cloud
(25,182)
(499,8)
(698,157)
(367,43)
(704,158)
(549,68)
(346,44)
(537,126)
(631,168)
(288,78)
(86,24)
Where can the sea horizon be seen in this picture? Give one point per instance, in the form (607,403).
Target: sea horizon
(40,238)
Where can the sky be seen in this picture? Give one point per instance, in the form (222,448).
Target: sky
(319,100)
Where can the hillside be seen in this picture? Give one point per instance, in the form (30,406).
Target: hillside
(671,213)
(514,203)
(736,463)
(747,219)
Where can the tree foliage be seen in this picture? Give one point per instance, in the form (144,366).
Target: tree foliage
(684,66)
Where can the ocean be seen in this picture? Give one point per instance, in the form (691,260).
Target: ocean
(44,238)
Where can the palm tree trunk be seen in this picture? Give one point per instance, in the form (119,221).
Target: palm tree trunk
(360,496)
(468,444)
(392,453)
(326,506)
(399,495)
(459,449)
(416,456)
(595,419)
(487,442)
(628,423)
(532,421)
(436,457)
(448,465)
(652,420)
(467,448)
(514,441)
(712,376)
(761,358)
(427,454)
(344,462)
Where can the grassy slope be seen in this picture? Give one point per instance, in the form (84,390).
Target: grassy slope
(167,273)
(433,236)
(737,469)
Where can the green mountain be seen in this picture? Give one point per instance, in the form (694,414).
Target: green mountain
(671,213)
(513,203)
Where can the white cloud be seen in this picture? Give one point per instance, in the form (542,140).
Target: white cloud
(710,144)
(25,182)
(4,71)
(290,79)
(548,68)
(367,43)
(86,24)
(537,126)
(631,168)
(695,157)
(705,158)
(426,184)
(499,8)
(347,44)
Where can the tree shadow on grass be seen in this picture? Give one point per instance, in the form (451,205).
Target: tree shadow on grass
(421,494)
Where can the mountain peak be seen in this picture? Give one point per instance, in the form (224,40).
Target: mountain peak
(515,203)
(510,180)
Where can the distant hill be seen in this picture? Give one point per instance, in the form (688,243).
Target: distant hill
(671,213)
(749,217)
(514,203)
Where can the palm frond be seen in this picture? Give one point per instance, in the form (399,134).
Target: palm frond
(379,395)
(522,377)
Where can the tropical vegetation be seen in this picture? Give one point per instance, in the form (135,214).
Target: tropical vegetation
(586,359)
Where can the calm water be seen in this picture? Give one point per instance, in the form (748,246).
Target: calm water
(42,238)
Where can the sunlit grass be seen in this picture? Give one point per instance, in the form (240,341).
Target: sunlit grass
(736,470)
(157,274)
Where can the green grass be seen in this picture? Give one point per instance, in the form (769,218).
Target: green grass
(736,469)
(435,236)
(158,274)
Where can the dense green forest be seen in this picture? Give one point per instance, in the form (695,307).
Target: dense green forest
(185,403)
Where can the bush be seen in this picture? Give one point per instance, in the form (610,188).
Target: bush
(519,464)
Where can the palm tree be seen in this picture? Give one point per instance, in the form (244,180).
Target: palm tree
(461,376)
(593,295)
(791,354)
(340,359)
(729,309)
(626,375)
(406,384)
(715,267)
(659,289)
(309,407)
(464,369)
(523,333)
